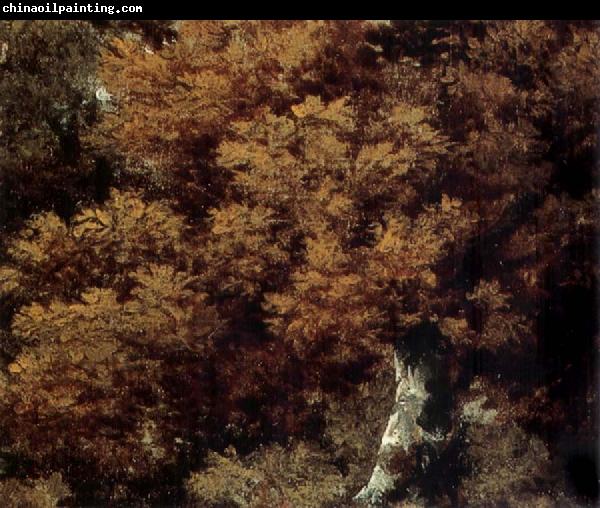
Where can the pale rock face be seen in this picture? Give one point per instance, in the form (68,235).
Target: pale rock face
(402,434)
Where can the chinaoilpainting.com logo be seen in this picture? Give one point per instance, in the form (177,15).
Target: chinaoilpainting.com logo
(55,8)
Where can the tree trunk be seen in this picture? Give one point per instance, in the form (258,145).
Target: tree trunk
(399,456)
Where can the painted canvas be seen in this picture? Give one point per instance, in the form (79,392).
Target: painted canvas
(299,264)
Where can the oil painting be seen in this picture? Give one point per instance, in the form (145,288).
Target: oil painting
(299,264)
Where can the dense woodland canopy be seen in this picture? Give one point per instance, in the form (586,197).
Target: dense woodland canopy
(218,235)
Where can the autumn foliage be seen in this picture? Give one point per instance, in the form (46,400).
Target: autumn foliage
(248,216)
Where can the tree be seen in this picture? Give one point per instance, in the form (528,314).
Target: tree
(89,383)
(168,107)
(47,96)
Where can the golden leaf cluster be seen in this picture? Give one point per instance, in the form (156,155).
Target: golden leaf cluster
(188,89)
(42,492)
(330,303)
(272,476)
(100,246)
(86,357)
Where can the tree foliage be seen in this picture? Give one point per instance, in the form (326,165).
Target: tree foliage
(220,230)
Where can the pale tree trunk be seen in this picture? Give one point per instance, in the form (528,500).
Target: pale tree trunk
(403,437)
